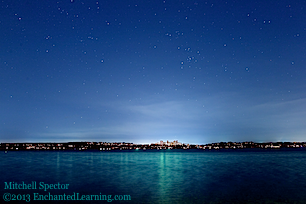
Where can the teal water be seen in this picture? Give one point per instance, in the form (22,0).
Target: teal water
(165,176)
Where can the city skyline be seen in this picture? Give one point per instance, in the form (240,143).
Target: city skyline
(145,71)
(105,146)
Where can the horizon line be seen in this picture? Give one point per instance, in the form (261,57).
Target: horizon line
(159,142)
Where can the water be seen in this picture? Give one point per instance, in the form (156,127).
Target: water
(169,176)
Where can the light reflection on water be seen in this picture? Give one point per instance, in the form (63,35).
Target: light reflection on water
(167,176)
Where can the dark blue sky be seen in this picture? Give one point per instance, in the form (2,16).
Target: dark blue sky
(144,71)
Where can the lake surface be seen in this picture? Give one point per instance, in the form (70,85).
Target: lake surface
(167,176)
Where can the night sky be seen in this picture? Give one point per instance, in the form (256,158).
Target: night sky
(144,71)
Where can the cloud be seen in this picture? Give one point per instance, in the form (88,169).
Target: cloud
(169,110)
(219,117)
